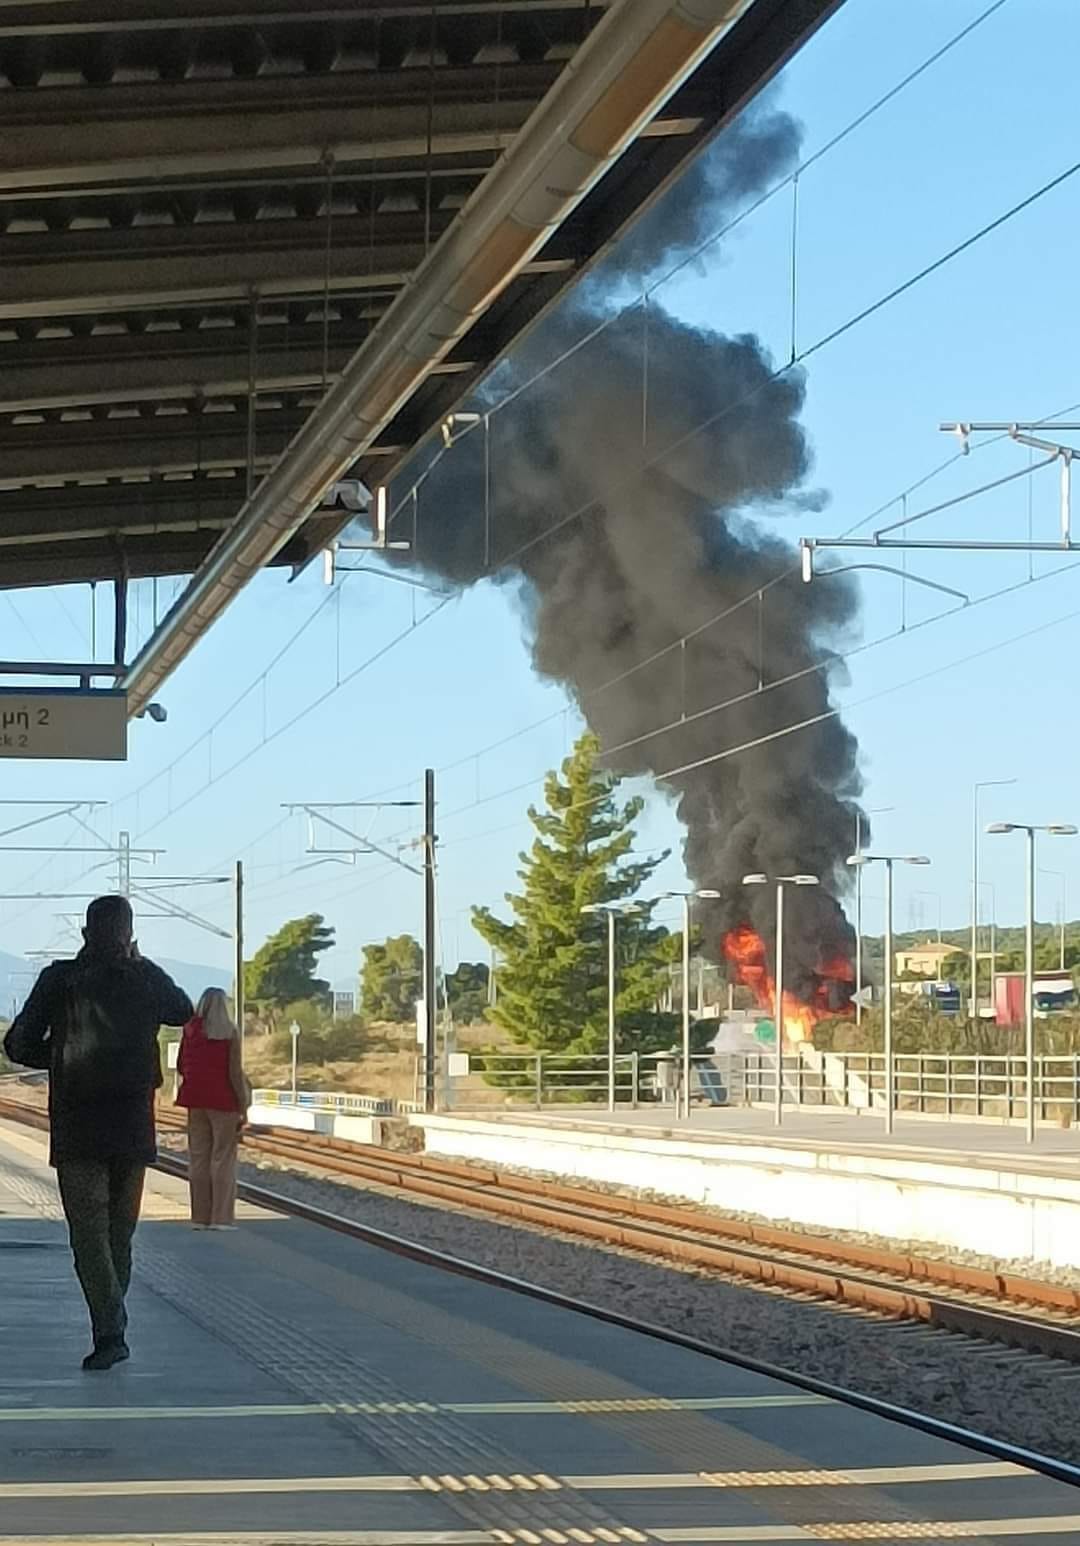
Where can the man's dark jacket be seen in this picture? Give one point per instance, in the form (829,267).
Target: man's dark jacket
(93,1023)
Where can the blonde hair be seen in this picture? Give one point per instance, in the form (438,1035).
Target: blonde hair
(213,1011)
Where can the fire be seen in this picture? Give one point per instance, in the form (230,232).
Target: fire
(745,949)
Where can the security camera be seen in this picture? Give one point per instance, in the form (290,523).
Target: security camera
(157,712)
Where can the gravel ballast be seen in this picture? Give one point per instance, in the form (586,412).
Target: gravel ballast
(1020,1398)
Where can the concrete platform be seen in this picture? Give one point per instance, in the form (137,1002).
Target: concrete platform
(953,1184)
(289,1385)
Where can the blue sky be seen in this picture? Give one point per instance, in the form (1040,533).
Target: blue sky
(993,335)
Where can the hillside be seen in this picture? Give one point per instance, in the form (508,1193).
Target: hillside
(17,976)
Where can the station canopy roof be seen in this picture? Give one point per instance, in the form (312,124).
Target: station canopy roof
(207,207)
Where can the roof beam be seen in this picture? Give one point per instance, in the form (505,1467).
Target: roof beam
(53,139)
(139,557)
(33,386)
(152,448)
(59,17)
(135,270)
(66,287)
(43,516)
(129,448)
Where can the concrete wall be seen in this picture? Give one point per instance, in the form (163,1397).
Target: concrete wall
(996,1211)
(305,1119)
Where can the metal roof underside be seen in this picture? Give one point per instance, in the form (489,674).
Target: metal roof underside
(174,234)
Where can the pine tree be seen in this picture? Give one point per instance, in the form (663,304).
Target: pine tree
(553,974)
(283,969)
(391,978)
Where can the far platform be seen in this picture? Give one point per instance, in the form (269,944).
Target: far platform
(974,1185)
(290,1385)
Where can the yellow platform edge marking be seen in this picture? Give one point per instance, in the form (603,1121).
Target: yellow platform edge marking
(392,1408)
(260,1538)
(929,1530)
(536,1483)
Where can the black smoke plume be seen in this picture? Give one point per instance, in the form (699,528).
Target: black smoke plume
(623,488)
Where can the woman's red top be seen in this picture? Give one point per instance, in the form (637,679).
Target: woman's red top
(203,1066)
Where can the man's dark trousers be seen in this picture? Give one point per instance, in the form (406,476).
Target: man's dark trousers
(101,1201)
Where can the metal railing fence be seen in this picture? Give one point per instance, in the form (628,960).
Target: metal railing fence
(542,1079)
(926,1084)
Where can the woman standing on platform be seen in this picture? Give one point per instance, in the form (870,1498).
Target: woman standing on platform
(216,1093)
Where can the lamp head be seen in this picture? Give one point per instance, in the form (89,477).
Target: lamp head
(1062,829)
(1001,826)
(708,896)
(915,859)
(755,880)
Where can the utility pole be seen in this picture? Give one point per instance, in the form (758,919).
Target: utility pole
(123,865)
(429,939)
(238,940)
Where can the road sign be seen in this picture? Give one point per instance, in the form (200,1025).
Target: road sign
(864,997)
(62,722)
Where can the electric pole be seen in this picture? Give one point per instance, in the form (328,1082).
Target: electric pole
(429,939)
(123,865)
(238,940)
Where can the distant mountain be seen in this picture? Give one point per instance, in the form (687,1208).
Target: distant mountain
(17,976)
(195,979)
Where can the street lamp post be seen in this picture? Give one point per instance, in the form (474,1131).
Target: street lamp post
(1056,829)
(888,860)
(986,783)
(686,897)
(611,911)
(879,810)
(778,1014)
(294,1032)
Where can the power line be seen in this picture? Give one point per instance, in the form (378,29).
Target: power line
(757,692)
(695,255)
(798,358)
(412,493)
(677,643)
(301,714)
(884,692)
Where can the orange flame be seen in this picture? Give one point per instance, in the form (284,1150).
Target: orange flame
(745,949)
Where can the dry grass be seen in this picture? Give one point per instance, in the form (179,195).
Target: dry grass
(386,1067)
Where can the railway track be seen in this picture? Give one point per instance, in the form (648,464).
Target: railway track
(1030,1314)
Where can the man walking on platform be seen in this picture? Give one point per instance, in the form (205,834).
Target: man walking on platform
(93,1023)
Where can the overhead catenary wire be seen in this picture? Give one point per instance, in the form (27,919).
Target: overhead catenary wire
(752,595)
(831,660)
(717,235)
(411,495)
(679,642)
(883,692)
(695,254)
(832,713)
(301,714)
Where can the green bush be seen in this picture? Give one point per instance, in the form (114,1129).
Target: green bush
(322,1038)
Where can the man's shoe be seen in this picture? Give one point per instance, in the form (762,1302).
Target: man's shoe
(105,1356)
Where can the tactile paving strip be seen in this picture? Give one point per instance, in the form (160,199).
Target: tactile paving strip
(406,1429)
(546,1516)
(684,1438)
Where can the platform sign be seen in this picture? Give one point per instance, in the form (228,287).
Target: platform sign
(48,723)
